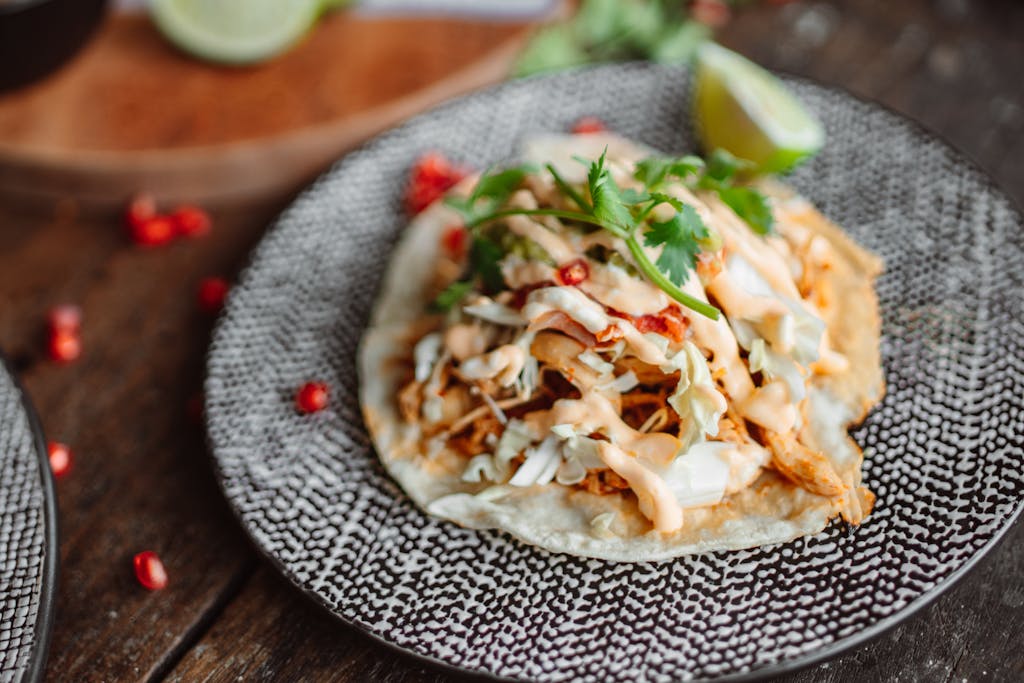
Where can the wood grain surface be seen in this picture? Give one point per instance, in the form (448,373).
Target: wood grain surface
(131,110)
(142,478)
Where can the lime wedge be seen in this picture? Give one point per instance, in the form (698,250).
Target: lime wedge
(742,108)
(234,31)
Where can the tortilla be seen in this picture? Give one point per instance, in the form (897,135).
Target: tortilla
(559,518)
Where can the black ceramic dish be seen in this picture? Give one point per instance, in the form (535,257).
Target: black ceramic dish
(944,446)
(28,537)
(37,36)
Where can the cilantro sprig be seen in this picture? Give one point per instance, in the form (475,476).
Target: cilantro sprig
(623,212)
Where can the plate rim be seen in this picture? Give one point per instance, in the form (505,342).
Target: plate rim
(43,629)
(786,666)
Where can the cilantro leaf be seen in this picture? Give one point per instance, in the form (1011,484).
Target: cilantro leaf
(609,207)
(679,239)
(750,205)
(484,258)
(493,187)
(451,295)
(499,185)
(568,189)
(722,168)
(663,198)
(653,171)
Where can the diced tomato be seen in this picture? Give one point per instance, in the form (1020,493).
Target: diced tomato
(431,177)
(574,272)
(668,322)
(589,124)
(455,240)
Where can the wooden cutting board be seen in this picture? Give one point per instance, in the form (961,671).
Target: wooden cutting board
(131,112)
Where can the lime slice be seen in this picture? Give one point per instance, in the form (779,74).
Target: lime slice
(742,108)
(234,31)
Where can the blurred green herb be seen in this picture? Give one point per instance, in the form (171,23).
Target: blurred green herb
(615,30)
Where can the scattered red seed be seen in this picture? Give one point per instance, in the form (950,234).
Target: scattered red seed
(141,208)
(574,272)
(431,177)
(211,294)
(64,346)
(191,221)
(311,397)
(64,318)
(589,124)
(713,13)
(455,240)
(153,232)
(150,571)
(60,458)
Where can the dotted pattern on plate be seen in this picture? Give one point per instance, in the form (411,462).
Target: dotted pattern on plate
(945,446)
(22,535)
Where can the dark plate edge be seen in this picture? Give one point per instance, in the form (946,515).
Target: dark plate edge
(48,592)
(826,652)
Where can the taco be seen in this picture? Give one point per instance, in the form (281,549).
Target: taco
(621,355)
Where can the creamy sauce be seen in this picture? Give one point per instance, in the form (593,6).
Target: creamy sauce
(718,337)
(740,239)
(657,502)
(465,340)
(504,363)
(770,407)
(617,289)
(595,413)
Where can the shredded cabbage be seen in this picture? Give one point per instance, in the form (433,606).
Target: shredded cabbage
(595,362)
(622,383)
(696,399)
(699,476)
(481,467)
(776,365)
(496,313)
(602,524)
(540,465)
(570,472)
(513,441)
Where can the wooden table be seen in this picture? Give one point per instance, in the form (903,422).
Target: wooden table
(142,478)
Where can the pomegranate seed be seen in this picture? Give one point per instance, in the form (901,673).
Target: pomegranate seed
(153,232)
(60,458)
(713,13)
(191,221)
(149,570)
(64,346)
(64,318)
(454,241)
(211,294)
(589,124)
(311,397)
(431,177)
(141,208)
(574,272)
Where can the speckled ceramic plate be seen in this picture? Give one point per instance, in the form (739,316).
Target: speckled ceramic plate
(28,537)
(944,447)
